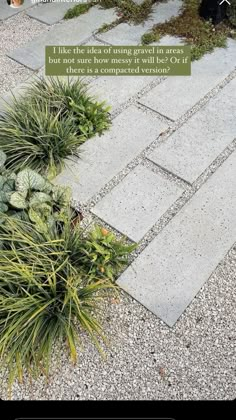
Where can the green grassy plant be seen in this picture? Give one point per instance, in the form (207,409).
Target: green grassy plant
(50,286)
(47,125)
(72,100)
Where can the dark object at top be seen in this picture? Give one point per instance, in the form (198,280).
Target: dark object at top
(211,9)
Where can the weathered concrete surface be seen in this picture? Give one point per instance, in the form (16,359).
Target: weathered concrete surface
(137,203)
(192,148)
(103,157)
(72,32)
(116,90)
(171,270)
(50,13)
(176,95)
(127,34)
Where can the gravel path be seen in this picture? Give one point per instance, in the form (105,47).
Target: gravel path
(15,32)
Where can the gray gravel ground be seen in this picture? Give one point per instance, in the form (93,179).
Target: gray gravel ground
(15,32)
(149,361)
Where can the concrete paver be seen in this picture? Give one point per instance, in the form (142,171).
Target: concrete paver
(103,157)
(171,270)
(72,32)
(117,90)
(50,13)
(176,95)
(126,34)
(137,203)
(192,148)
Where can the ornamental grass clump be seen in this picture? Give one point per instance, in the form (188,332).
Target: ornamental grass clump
(50,287)
(71,98)
(47,125)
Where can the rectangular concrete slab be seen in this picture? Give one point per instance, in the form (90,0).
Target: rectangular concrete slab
(136,204)
(192,148)
(128,34)
(6,11)
(171,270)
(50,13)
(104,157)
(117,90)
(97,16)
(176,95)
(71,32)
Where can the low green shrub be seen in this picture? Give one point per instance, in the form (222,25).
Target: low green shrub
(135,13)
(72,100)
(99,253)
(108,4)
(127,10)
(202,35)
(47,125)
(78,10)
(29,196)
(49,289)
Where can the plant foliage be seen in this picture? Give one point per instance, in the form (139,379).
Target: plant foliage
(202,35)
(78,10)
(49,288)
(30,196)
(47,125)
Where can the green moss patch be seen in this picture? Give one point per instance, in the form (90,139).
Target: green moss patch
(128,11)
(135,13)
(202,35)
(78,10)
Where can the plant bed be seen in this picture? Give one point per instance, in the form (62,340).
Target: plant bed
(29,196)
(47,124)
(51,285)
(53,273)
(201,23)
(201,34)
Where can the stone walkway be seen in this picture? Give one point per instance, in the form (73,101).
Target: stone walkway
(165,173)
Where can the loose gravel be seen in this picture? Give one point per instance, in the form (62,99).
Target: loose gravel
(149,361)
(15,32)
